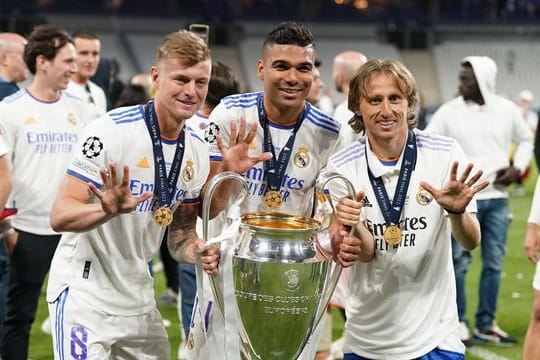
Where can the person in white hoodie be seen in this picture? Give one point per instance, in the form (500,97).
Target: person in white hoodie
(485,124)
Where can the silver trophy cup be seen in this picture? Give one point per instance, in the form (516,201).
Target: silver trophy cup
(281,284)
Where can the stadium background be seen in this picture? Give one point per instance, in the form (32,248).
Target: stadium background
(430,37)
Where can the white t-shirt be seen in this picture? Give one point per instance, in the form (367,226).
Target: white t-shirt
(94,96)
(41,137)
(402,304)
(486,133)
(108,265)
(342,114)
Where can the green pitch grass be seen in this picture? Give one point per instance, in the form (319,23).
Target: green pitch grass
(515,298)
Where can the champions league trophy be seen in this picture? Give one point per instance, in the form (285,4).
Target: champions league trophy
(281,285)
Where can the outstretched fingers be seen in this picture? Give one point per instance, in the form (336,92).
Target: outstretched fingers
(234,134)
(252,131)
(125,176)
(465,174)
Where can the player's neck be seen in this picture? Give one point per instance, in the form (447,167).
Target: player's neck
(42,91)
(81,80)
(169,127)
(284,115)
(387,149)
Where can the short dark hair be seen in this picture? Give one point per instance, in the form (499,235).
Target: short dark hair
(132,94)
(84,35)
(222,83)
(290,33)
(45,40)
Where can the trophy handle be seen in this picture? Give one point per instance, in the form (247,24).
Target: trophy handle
(336,273)
(212,186)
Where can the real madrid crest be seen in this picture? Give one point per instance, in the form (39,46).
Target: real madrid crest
(188,172)
(72,119)
(301,158)
(423,197)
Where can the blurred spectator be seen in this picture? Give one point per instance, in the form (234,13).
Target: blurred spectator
(102,77)
(132,95)
(12,67)
(525,102)
(12,71)
(88,48)
(344,67)
(116,85)
(144,80)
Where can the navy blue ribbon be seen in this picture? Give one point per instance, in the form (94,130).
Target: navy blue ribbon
(275,170)
(392,210)
(164,185)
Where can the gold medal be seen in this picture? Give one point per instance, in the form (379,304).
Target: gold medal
(392,234)
(272,199)
(301,158)
(163,216)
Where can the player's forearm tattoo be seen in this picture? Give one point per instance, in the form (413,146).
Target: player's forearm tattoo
(182,234)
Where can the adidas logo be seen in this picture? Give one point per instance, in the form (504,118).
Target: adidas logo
(143,163)
(365,202)
(29,121)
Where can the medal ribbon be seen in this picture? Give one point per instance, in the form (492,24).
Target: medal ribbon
(164,185)
(274,173)
(392,210)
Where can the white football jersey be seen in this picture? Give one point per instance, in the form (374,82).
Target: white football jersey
(92,94)
(402,304)
(198,124)
(315,141)
(108,265)
(3,147)
(41,137)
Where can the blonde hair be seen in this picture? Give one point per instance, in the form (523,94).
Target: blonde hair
(184,46)
(359,87)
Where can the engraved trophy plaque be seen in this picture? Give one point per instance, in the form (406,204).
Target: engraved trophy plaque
(281,285)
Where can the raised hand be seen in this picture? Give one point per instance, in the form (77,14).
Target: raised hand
(457,193)
(235,156)
(116,198)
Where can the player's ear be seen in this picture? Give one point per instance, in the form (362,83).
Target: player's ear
(154,74)
(260,69)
